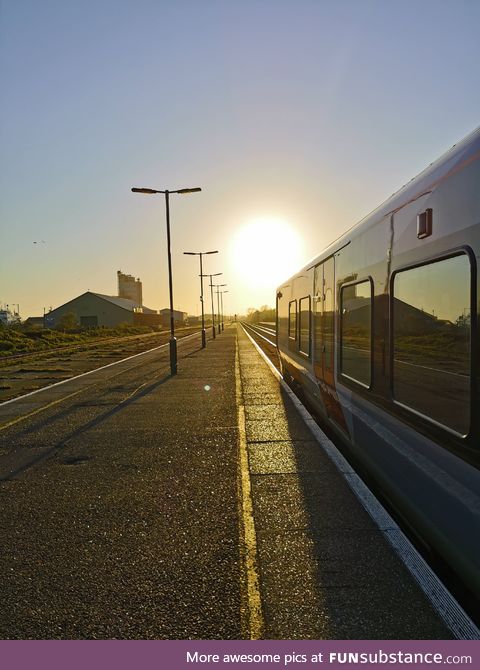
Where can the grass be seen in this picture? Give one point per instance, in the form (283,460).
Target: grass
(21,340)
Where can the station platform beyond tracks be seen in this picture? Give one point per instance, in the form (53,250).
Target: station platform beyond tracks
(142,506)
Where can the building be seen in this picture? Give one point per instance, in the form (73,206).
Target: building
(35,321)
(180,318)
(7,317)
(95,309)
(129,288)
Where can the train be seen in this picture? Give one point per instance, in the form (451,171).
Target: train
(380,335)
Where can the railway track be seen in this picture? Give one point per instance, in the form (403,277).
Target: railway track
(26,373)
(265,336)
(85,346)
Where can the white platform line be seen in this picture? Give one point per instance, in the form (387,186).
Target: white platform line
(90,372)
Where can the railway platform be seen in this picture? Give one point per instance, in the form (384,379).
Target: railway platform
(143,506)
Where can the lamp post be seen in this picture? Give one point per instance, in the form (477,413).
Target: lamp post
(173,341)
(217,274)
(221,304)
(218,286)
(201,253)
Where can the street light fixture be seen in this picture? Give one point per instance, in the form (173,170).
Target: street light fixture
(218,305)
(221,304)
(217,274)
(201,253)
(173,341)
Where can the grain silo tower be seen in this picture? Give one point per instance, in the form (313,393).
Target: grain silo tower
(129,287)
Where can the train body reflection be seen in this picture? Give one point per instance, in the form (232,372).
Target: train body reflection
(380,334)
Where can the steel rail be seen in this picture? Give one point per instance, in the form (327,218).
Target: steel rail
(254,330)
(79,346)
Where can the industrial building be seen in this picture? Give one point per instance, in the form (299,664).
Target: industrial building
(180,318)
(95,309)
(92,310)
(129,288)
(9,317)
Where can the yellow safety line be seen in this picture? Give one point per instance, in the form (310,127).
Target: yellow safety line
(251,613)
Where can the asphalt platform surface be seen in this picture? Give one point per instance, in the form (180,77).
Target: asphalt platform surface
(128,525)
(123,513)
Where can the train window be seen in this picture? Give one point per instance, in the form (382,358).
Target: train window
(292,320)
(431,341)
(304,325)
(356,332)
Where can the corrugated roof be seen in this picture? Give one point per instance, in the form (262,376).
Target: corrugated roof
(125,303)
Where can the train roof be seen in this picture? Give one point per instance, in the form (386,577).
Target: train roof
(457,157)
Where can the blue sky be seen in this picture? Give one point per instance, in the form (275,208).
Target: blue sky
(307,112)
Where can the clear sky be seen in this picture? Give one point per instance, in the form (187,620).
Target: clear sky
(304,112)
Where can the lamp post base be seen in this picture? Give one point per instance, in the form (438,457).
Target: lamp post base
(214,332)
(204,338)
(173,356)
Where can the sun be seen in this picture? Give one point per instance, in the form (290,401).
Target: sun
(266,251)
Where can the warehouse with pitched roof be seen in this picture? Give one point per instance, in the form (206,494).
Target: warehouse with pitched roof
(92,310)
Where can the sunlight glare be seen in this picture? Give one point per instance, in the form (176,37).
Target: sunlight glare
(265,252)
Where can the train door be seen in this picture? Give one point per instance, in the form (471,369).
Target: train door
(324,337)
(324,305)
